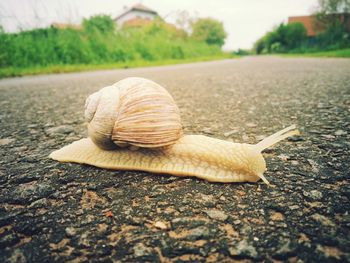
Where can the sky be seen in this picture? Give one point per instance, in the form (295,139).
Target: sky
(244,20)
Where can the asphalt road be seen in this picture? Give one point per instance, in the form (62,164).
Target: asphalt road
(53,212)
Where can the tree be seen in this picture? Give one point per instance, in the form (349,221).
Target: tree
(294,34)
(209,30)
(184,21)
(260,45)
(333,6)
(101,23)
(327,10)
(283,38)
(333,18)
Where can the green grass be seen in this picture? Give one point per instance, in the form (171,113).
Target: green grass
(99,46)
(340,53)
(64,68)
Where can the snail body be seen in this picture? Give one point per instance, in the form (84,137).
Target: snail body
(192,155)
(139,113)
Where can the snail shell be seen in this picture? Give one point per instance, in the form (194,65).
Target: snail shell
(133,112)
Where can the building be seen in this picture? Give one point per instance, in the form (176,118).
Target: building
(308,22)
(136,15)
(312,26)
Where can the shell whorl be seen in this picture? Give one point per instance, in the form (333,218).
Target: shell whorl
(133,111)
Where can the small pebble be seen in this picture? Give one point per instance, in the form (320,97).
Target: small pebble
(6,141)
(237,222)
(70,231)
(63,129)
(313,194)
(216,214)
(340,132)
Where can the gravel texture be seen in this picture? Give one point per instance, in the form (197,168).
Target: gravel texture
(53,212)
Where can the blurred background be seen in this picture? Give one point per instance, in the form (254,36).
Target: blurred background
(38,36)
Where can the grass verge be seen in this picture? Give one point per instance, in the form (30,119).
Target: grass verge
(16,72)
(340,53)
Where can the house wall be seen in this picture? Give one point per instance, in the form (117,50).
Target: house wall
(313,27)
(134,14)
(308,22)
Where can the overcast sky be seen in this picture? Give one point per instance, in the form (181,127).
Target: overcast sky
(244,20)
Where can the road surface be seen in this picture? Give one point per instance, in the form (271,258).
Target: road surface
(53,212)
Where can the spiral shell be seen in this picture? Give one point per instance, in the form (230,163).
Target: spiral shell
(133,111)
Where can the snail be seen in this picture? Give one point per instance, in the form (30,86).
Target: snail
(156,144)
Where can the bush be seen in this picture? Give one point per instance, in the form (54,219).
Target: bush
(283,38)
(100,23)
(99,42)
(334,37)
(242,52)
(209,30)
(291,38)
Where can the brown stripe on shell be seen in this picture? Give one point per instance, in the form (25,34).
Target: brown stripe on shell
(147,116)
